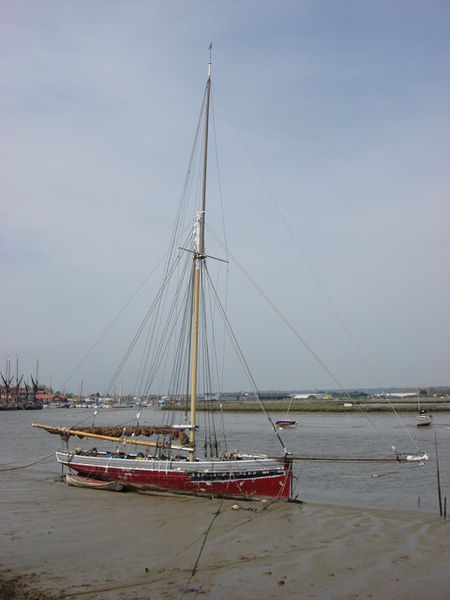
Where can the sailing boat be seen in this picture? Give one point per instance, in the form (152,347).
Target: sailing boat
(423,417)
(175,462)
(287,423)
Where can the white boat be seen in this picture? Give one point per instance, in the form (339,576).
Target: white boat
(424,418)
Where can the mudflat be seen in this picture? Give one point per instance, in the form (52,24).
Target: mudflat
(63,542)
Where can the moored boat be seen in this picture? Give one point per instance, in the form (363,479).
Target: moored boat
(424,418)
(286,424)
(178,459)
(242,477)
(233,475)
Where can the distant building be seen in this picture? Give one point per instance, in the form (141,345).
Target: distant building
(49,397)
(304,397)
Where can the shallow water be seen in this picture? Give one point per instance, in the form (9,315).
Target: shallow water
(410,487)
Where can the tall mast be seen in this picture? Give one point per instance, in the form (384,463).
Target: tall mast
(199,256)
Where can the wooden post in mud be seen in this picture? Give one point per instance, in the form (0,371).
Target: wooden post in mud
(438,475)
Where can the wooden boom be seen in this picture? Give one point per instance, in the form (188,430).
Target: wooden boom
(398,457)
(66,432)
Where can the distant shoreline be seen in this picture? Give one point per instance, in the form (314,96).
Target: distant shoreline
(375,405)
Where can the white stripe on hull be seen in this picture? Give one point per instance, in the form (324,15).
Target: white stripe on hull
(257,465)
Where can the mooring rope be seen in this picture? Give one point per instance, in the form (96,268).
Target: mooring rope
(36,462)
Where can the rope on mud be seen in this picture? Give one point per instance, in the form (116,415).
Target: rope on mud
(36,462)
(194,570)
(205,535)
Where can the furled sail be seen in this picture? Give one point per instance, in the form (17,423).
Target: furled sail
(127,435)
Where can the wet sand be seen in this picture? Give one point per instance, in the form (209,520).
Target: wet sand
(63,542)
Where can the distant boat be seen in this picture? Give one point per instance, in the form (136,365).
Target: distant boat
(286,424)
(424,418)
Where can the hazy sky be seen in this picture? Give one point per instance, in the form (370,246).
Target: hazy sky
(344,109)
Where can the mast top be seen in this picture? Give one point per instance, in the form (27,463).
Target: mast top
(210,60)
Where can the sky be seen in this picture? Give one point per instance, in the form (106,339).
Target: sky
(332,122)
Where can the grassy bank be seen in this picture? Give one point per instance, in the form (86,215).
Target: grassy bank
(330,406)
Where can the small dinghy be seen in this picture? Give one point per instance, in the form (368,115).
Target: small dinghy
(95,484)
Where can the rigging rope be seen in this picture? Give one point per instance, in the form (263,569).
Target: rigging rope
(314,275)
(305,343)
(245,364)
(141,328)
(116,317)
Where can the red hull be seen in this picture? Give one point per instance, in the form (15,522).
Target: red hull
(237,484)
